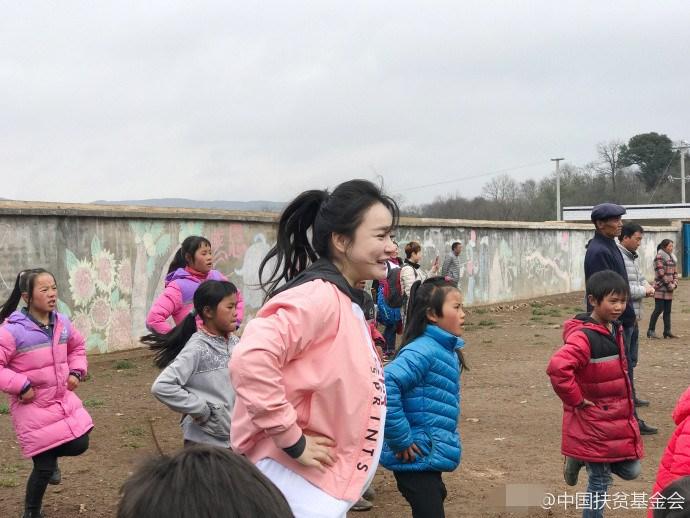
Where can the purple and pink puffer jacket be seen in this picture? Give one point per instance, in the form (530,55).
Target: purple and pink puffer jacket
(56,415)
(177,299)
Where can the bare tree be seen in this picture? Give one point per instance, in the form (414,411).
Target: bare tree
(504,192)
(609,154)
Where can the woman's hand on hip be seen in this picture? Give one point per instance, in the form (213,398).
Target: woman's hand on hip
(317,452)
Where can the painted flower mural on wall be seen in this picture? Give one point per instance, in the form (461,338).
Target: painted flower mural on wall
(82,279)
(99,288)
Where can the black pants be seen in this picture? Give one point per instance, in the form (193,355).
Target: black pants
(660,306)
(44,466)
(425,492)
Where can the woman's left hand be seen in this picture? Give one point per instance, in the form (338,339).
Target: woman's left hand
(72,382)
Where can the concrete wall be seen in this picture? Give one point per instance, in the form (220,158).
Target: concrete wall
(110,262)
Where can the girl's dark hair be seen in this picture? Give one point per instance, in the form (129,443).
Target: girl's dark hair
(412,248)
(664,243)
(201,481)
(324,214)
(189,246)
(606,282)
(424,297)
(23,284)
(167,346)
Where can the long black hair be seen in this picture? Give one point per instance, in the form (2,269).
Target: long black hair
(424,297)
(189,246)
(340,212)
(167,346)
(23,284)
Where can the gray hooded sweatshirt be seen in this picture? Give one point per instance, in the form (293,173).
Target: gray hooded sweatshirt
(197,384)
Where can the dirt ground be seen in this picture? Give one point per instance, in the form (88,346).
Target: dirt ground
(510,423)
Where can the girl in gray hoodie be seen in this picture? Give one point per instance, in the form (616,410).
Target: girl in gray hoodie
(195,380)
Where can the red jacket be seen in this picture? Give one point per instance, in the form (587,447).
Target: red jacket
(675,462)
(591,365)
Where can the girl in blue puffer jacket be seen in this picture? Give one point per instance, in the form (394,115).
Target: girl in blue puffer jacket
(423,397)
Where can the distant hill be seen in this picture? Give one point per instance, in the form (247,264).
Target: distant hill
(248,206)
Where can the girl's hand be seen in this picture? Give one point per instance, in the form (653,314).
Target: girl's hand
(72,382)
(317,452)
(408,455)
(28,396)
(585,402)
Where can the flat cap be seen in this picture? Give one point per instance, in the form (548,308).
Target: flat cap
(607,210)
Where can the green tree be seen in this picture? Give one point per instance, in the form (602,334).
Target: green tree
(652,153)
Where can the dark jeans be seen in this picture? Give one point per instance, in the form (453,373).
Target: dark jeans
(44,466)
(660,306)
(389,337)
(631,337)
(425,492)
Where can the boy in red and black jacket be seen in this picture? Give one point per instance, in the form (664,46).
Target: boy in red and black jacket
(589,374)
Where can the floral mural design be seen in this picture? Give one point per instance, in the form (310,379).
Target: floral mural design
(99,286)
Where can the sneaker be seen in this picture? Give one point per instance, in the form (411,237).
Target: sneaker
(56,477)
(369,494)
(571,470)
(652,335)
(362,505)
(645,429)
(641,402)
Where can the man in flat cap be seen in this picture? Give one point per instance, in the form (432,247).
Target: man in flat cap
(603,254)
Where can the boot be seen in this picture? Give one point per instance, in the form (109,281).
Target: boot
(641,402)
(670,335)
(651,334)
(33,514)
(645,429)
(571,470)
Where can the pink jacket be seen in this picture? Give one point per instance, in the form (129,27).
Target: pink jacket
(675,462)
(177,299)
(56,415)
(306,364)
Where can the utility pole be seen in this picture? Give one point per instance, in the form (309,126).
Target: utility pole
(558,187)
(682,147)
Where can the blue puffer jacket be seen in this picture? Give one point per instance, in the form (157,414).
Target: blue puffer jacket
(423,403)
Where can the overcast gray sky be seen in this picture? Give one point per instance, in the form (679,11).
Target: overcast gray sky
(261,100)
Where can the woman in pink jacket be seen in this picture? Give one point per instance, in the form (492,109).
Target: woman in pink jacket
(42,361)
(192,265)
(310,398)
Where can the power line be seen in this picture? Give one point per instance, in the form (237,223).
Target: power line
(491,173)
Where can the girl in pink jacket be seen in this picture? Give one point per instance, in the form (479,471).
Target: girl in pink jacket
(310,398)
(192,265)
(42,361)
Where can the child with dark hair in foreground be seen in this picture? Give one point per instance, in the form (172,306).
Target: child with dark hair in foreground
(589,373)
(201,482)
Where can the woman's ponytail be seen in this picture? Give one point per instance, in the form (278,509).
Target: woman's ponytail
(293,251)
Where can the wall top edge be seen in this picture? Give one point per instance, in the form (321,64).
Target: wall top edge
(31,208)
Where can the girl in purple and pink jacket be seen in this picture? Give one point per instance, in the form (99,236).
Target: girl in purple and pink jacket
(42,361)
(192,265)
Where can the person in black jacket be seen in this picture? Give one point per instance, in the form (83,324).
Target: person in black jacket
(603,254)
